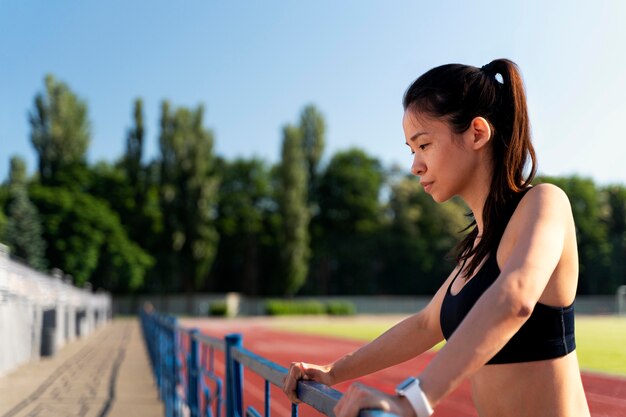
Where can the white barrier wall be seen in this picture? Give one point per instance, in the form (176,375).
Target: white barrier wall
(40,313)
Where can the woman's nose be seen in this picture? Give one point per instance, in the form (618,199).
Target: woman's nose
(417,168)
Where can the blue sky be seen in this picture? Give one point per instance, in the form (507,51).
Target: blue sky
(254,65)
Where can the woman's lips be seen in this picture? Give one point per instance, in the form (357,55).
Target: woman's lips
(427,185)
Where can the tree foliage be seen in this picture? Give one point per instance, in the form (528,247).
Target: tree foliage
(4,197)
(313,129)
(246,226)
(86,240)
(23,232)
(134,150)
(347,227)
(294,213)
(189,185)
(131,188)
(60,135)
(3,224)
(616,225)
(349,193)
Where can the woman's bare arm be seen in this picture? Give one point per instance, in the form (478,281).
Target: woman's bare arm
(407,339)
(507,304)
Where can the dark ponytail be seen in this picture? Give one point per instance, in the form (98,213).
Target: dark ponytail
(457,94)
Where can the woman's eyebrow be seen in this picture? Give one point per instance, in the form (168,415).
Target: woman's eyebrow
(416,135)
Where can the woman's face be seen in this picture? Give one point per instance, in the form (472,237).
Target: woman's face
(441,158)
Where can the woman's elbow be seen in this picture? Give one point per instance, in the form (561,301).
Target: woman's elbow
(523,310)
(516,307)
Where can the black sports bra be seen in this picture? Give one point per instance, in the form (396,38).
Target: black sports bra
(547,334)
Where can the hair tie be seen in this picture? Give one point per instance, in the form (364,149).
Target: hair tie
(488,70)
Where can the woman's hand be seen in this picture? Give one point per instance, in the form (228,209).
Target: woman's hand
(360,397)
(307,372)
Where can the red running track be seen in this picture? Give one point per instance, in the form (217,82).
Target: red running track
(606,394)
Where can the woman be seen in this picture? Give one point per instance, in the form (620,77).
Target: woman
(506,310)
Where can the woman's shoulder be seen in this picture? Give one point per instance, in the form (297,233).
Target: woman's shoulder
(543,200)
(546,188)
(546,193)
(543,215)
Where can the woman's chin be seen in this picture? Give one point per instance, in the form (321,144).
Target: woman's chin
(440,198)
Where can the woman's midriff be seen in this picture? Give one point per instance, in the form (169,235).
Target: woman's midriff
(551,388)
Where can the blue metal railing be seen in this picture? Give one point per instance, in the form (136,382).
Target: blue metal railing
(184,359)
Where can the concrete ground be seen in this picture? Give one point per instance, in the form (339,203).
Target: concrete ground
(105,374)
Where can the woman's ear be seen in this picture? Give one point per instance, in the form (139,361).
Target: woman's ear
(479,132)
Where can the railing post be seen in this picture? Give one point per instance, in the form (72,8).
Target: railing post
(164,365)
(234,378)
(193,374)
(174,356)
(161,359)
(267,398)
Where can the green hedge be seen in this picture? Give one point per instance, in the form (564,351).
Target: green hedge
(284,308)
(218,308)
(340,308)
(309,307)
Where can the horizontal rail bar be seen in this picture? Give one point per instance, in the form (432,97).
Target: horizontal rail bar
(265,368)
(319,396)
(375,413)
(251,412)
(211,341)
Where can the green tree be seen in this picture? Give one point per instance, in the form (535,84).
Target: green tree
(131,189)
(23,232)
(4,197)
(616,225)
(86,239)
(3,224)
(60,135)
(189,185)
(347,227)
(244,224)
(294,214)
(134,150)
(3,219)
(109,183)
(313,128)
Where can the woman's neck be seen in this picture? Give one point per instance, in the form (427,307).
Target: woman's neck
(475,197)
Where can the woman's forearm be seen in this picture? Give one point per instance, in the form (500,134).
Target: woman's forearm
(407,339)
